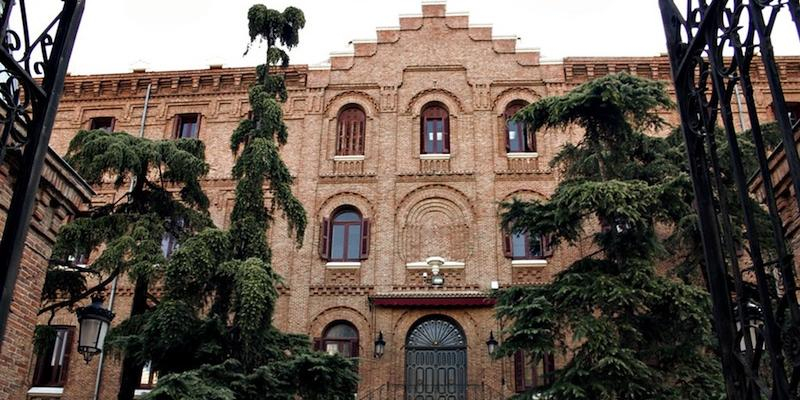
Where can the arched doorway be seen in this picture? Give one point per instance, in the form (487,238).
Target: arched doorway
(436,360)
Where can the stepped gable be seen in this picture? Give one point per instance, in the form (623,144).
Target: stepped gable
(433,40)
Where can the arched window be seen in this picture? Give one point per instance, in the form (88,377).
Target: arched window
(518,139)
(435,129)
(350,131)
(345,237)
(340,337)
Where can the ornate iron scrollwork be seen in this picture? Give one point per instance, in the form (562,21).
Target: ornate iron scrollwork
(713,47)
(32,70)
(24,58)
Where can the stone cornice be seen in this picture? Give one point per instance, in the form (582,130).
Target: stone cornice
(212,81)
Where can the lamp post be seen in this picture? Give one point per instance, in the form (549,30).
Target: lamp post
(380,345)
(94,321)
(491,344)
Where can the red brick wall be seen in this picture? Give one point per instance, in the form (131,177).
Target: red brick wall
(60,195)
(432,57)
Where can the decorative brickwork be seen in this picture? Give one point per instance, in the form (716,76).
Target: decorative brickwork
(418,205)
(62,193)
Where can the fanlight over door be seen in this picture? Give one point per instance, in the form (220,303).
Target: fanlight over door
(436,361)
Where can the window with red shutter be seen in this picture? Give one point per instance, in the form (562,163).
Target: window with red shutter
(324,235)
(523,246)
(52,365)
(348,240)
(507,245)
(531,372)
(517,137)
(351,131)
(365,227)
(435,129)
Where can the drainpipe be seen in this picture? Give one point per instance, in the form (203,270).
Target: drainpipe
(99,376)
(739,105)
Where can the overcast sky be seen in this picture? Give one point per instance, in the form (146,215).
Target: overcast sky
(116,35)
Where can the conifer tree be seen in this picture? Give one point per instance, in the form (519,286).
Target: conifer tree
(126,237)
(624,330)
(211,334)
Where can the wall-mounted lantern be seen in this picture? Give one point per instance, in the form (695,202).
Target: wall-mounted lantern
(491,344)
(94,321)
(380,345)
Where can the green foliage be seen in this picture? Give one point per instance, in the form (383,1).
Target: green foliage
(125,237)
(211,335)
(44,338)
(626,331)
(60,281)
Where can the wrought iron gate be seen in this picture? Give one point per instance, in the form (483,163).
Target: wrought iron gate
(436,361)
(34,64)
(713,47)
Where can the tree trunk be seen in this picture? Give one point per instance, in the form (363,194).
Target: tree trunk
(131,368)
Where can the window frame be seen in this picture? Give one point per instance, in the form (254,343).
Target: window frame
(546,249)
(327,238)
(434,111)
(151,375)
(546,363)
(58,374)
(179,122)
(322,343)
(94,121)
(351,142)
(525,140)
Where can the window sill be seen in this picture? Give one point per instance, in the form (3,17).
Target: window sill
(522,155)
(529,263)
(434,156)
(46,391)
(446,265)
(358,157)
(140,392)
(343,265)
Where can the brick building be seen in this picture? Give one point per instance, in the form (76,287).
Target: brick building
(62,193)
(402,152)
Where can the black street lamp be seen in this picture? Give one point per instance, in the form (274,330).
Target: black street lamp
(491,344)
(94,321)
(380,345)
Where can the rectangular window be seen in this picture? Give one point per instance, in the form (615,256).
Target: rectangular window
(187,126)
(168,244)
(149,377)
(434,136)
(523,248)
(532,371)
(353,242)
(102,123)
(337,244)
(52,363)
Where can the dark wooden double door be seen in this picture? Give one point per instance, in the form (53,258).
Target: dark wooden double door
(436,361)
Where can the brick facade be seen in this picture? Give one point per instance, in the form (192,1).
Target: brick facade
(62,193)
(418,206)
